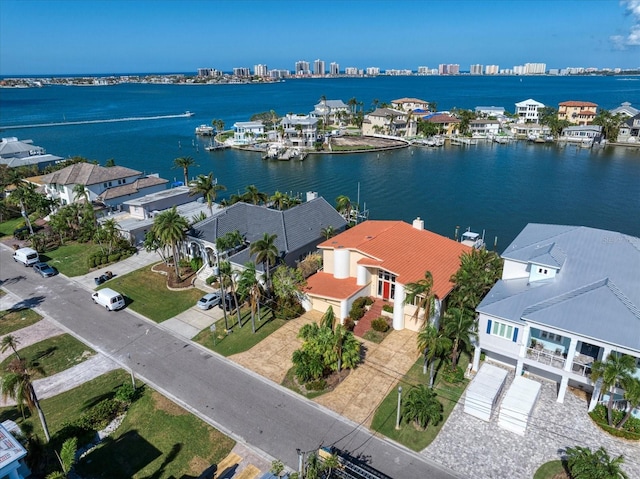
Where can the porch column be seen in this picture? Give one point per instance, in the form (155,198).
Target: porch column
(606,351)
(343,310)
(398,307)
(571,354)
(524,341)
(476,357)
(563,389)
(519,366)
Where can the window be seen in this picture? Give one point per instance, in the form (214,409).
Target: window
(503,330)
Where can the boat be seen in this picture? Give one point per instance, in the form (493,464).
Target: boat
(503,140)
(215,146)
(472,239)
(205,130)
(189,113)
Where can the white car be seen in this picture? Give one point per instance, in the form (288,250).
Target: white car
(208,301)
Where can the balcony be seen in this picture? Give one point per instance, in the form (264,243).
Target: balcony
(547,356)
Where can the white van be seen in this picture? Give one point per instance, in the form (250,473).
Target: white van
(26,256)
(108,298)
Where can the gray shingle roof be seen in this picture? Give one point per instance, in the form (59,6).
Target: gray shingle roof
(88,174)
(596,292)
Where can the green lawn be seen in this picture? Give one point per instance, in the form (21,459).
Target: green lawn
(11,321)
(549,470)
(53,355)
(156,440)
(8,227)
(384,420)
(241,339)
(71,258)
(146,293)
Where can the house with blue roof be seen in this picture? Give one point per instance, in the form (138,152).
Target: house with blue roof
(569,296)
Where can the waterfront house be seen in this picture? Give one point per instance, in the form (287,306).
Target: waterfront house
(410,104)
(12,459)
(577,112)
(587,134)
(625,109)
(106,187)
(446,123)
(569,295)
(15,153)
(378,259)
(247,132)
(331,111)
(629,131)
(530,131)
(482,128)
(300,130)
(388,121)
(298,229)
(490,111)
(528,111)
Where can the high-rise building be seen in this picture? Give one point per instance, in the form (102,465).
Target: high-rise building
(373,71)
(241,72)
(318,67)
(492,70)
(476,69)
(535,68)
(205,72)
(423,70)
(352,71)
(334,68)
(448,69)
(302,68)
(260,70)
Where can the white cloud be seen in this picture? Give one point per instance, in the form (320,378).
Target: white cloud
(621,42)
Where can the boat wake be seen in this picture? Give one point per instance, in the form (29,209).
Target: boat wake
(88,122)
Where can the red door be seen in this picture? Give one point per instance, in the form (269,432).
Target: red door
(386,287)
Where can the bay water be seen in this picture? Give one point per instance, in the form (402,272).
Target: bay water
(497,188)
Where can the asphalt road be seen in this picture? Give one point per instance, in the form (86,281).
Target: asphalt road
(240,403)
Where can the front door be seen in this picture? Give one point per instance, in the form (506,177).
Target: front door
(386,288)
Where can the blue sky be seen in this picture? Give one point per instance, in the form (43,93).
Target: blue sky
(120,36)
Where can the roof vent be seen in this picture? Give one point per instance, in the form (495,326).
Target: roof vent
(418,223)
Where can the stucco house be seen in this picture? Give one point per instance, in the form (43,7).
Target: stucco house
(109,187)
(410,104)
(447,124)
(298,230)
(569,295)
(330,111)
(577,112)
(378,259)
(528,111)
(388,121)
(300,130)
(247,132)
(15,153)
(483,128)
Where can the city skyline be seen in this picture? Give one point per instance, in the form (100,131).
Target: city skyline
(98,36)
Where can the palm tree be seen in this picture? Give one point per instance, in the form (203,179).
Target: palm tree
(328,232)
(328,319)
(108,233)
(16,384)
(632,396)
(479,271)
(610,123)
(459,327)
(266,253)
(616,369)
(343,205)
(10,342)
(208,187)
(421,295)
(67,458)
(171,229)
(421,407)
(251,289)
(227,276)
(184,162)
(583,463)
(279,200)
(254,196)
(434,345)
(23,196)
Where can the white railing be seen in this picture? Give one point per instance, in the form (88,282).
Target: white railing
(546,356)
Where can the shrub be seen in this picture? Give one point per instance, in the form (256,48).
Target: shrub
(104,260)
(349,323)
(126,393)
(317,385)
(452,376)
(362,301)
(113,257)
(357,310)
(387,308)
(630,430)
(380,324)
(100,415)
(196,263)
(211,279)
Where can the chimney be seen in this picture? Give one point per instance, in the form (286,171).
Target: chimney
(312,195)
(418,223)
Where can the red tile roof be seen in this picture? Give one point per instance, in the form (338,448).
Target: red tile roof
(577,103)
(324,285)
(442,118)
(403,250)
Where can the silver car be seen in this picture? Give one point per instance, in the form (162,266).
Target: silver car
(209,301)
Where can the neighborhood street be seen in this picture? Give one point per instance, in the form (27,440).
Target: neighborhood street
(237,401)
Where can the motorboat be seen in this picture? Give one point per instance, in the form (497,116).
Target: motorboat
(472,239)
(205,130)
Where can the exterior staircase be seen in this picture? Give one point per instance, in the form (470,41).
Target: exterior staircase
(364,324)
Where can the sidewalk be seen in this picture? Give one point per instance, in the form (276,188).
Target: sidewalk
(138,260)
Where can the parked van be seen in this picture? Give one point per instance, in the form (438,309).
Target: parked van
(26,256)
(108,298)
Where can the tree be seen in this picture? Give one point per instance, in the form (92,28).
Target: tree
(421,407)
(632,396)
(583,463)
(434,345)
(254,196)
(328,232)
(184,162)
(328,319)
(479,271)
(266,253)
(170,228)
(10,342)
(208,187)
(107,236)
(617,368)
(66,457)
(228,280)
(250,288)
(610,123)
(460,328)
(279,200)
(343,205)
(420,294)
(287,283)
(24,196)
(16,384)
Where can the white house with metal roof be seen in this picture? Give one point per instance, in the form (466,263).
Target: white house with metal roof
(15,153)
(569,295)
(247,132)
(528,111)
